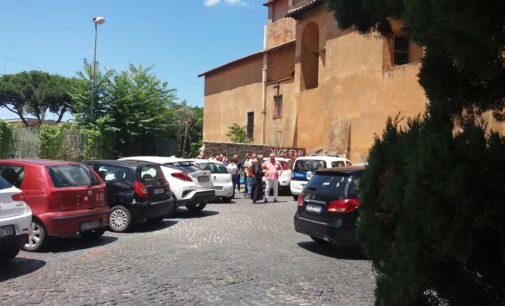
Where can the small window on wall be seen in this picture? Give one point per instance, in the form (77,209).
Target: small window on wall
(277,107)
(250,125)
(401,50)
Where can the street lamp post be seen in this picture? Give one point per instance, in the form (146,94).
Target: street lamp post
(97,21)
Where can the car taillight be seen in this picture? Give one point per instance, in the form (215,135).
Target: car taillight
(284,166)
(19,197)
(343,206)
(300,200)
(141,190)
(182,176)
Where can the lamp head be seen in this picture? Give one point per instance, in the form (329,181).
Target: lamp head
(99,20)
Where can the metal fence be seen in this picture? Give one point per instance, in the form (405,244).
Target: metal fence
(69,144)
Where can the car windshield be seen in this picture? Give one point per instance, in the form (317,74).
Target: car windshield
(71,176)
(304,165)
(212,167)
(185,166)
(4,184)
(338,186)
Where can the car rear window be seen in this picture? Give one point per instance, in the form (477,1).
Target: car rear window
(151,173)
(304,165)
(113,174)
(14,175)
(339,186)
(71,176)
(185,166)
(4,184)
(213,168)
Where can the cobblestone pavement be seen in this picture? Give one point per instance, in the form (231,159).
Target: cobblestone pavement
(229,254)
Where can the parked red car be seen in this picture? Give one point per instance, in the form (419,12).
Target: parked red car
(65,197)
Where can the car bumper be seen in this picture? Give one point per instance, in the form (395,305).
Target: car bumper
(12,242)
(145,210)
(334,233)
(197,196)
(67,223)
(22,223)
(224,190)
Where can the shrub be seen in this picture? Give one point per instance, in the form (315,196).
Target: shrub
(5,139)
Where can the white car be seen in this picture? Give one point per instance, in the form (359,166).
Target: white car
(191,186)
(304,167)
(221,179)
(15,221)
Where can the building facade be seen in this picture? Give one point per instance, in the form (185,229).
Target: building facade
(314,86)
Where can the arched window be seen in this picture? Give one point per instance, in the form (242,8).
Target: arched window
(310,56)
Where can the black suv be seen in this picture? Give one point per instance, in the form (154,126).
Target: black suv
(136,191)
(327,206)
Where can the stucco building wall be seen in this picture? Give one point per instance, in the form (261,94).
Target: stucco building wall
(357,88)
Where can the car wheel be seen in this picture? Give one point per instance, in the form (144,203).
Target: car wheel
(320,241)
(38,239)
(196,207)
(295,197)
(93,234)
(9,254)
(120,219)
(226,199)
(155,220)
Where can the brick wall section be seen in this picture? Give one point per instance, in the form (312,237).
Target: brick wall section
(212,148)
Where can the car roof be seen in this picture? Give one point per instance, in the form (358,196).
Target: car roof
(123,163)
(196,160)
(341,170)
(322,157)
(39,162)
(152,159)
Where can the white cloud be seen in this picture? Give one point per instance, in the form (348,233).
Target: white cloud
(211,2)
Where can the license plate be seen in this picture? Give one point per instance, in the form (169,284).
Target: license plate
(91,225)
(203,179)
(217,187)
(159,190)
(314,208)
(7,231)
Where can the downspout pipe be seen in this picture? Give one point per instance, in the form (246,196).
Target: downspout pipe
(264,89)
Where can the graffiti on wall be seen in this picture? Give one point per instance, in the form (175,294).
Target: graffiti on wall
(291,153)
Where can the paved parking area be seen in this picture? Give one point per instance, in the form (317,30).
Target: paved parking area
(229,254)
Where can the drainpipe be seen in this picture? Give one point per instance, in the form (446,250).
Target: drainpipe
(264,89)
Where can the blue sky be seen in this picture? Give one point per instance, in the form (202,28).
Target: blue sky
(181,38)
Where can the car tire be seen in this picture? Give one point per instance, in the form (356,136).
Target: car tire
(93,234)
(9,254)
(155,220)
(320,241)
(38,240)
(196,207)
(295,197)
(120,219)
(227,199)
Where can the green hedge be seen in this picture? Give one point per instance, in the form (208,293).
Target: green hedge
(6,139)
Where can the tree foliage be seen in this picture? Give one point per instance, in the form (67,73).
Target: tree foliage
(432,209)
(237,133)
(36,93)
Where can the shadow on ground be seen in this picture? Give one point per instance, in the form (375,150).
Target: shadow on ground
(75,242)
(183,213)
(151,227)
(19,267)
(332,251)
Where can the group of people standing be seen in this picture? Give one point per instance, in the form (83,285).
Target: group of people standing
(254,168)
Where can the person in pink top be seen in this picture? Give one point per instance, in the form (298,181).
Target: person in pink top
(272,170)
